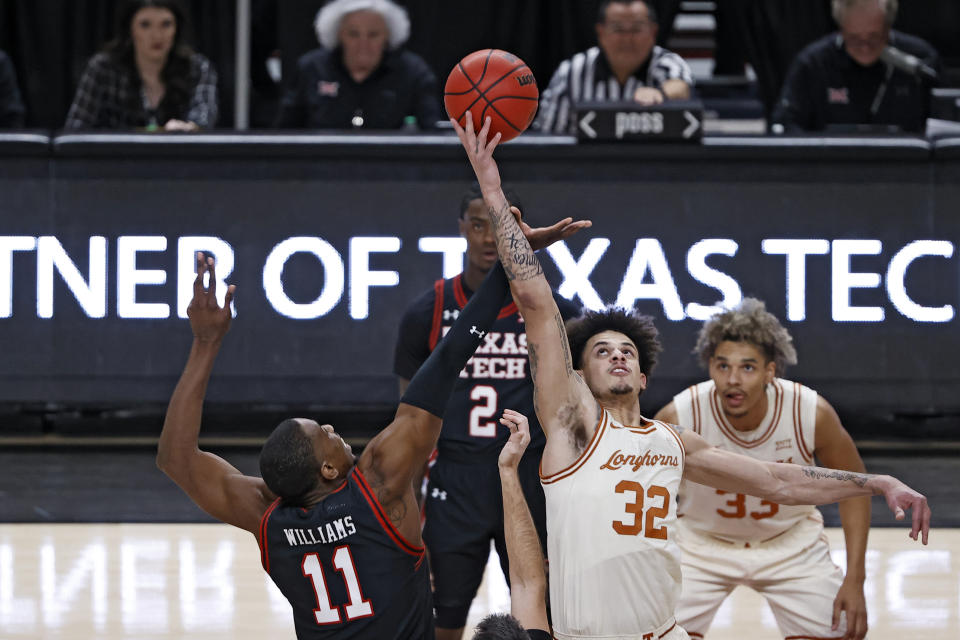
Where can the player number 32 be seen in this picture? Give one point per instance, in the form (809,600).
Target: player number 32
(643,521)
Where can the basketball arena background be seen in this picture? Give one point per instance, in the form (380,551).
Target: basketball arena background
(853,241)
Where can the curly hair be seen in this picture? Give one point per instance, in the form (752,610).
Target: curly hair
(749,322)
(287,462)
(639,328)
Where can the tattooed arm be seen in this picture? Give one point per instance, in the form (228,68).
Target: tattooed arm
(794,484)
(562,400)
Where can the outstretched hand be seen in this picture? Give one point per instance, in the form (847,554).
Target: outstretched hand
(480,152)
(209,321)
(542,237)
(901,498)
(519,438)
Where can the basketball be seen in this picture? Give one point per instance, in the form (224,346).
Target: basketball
(492,83)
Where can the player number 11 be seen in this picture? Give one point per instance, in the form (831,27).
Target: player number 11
(326,613)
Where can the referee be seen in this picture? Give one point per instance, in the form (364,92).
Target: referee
(842,81)
(627,65)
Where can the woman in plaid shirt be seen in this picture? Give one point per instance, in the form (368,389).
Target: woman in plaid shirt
(147,77)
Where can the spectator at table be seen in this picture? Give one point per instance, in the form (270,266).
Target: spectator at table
(360,77)
(845,79)
(147,77)
(627,65)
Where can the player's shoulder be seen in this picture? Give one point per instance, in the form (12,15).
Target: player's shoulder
(425,300)
(696,390)
(793,388)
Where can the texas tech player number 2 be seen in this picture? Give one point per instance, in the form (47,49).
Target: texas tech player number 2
(486,407)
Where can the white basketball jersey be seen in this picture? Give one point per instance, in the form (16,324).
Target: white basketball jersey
(785,434)
(611,525)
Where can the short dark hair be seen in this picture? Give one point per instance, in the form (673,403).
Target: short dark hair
(287,462)
(500,626)
(474,193)
(602,11)
(638,327)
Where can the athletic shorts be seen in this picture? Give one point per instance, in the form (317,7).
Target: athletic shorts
(793,572)
(463,510)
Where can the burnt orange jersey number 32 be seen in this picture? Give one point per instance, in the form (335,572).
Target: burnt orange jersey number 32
(641,523)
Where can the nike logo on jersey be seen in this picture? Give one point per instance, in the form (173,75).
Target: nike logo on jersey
(635,461)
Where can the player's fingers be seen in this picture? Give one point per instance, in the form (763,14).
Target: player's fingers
(212,265)
(837,608)
(509,425)
(484,133)
(198,281)
(916,511)
(228,299)
(926,521)
(493,143)
(516,214)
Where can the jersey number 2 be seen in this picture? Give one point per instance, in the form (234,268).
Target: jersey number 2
(325,613)
(480,427)
(641,523)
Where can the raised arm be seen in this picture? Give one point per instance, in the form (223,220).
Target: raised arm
(561,398)
(528,580)
(793,484)
(212,483)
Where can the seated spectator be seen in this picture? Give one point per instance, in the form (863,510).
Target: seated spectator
(842,80)
(147,77)
(11,106)
(627,65)
(360,77)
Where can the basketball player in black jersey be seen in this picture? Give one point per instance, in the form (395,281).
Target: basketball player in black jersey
(339,536)
(462,503)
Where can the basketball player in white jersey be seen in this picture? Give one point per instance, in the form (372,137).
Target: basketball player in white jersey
(610,475)
(729,539)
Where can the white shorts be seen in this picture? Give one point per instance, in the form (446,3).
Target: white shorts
(793,572)
(670,630)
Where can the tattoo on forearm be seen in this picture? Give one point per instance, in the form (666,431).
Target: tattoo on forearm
(519,261)
(564,342)
(859,479)
(532,354)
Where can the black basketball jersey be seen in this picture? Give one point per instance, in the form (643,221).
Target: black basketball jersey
(497,377)
(345,569)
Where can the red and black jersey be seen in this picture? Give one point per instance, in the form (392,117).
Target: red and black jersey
(497,377)
(345,569)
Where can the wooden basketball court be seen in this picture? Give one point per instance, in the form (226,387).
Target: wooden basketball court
(204,581)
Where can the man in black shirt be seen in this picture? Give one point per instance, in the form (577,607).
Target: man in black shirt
(842,80)
(361,78)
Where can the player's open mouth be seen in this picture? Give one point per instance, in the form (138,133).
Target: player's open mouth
(734,398)
(620,371)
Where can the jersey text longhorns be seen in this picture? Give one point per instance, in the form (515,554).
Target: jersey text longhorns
(618,460)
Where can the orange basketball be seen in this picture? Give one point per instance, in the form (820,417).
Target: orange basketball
(492,83)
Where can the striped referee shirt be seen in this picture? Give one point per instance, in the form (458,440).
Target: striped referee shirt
(587,77)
